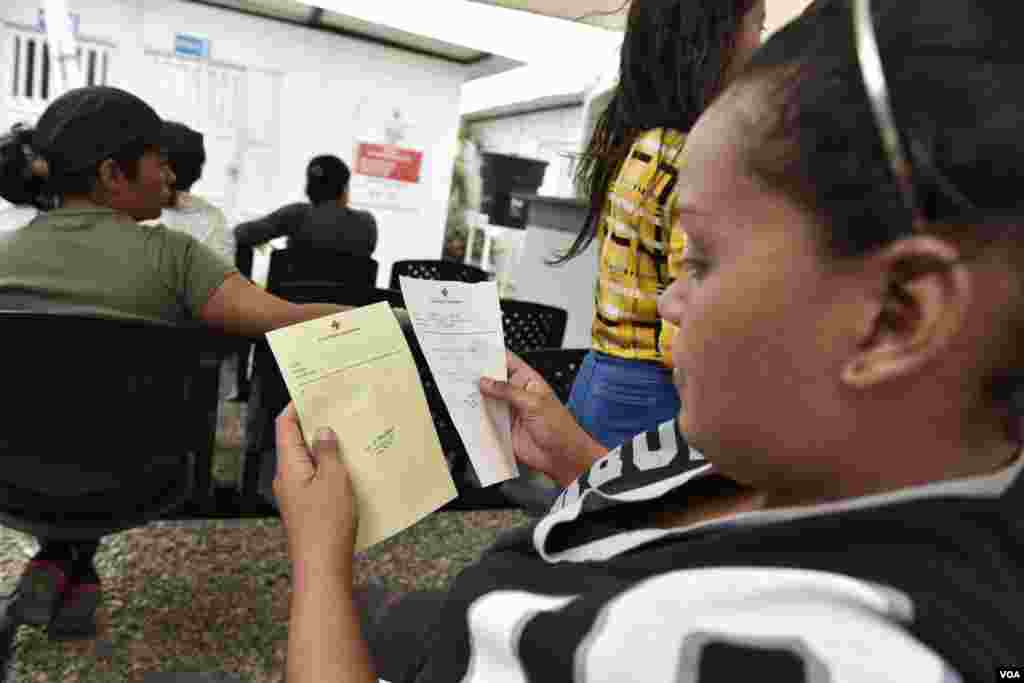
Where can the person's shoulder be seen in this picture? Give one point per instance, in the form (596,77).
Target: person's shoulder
(296,208)
(160,231)
(198,203)
(363,216)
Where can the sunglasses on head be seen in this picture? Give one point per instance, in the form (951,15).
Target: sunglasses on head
(900,162)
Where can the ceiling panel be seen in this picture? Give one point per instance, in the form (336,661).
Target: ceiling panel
(278,9)
(612,13)
(609,14)
(387,34)
(296,12)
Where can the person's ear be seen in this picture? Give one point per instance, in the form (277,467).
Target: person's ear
(918,306)
(110,176)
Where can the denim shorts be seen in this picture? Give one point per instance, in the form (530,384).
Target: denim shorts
(614,399)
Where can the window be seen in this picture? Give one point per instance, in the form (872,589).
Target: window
(34,77)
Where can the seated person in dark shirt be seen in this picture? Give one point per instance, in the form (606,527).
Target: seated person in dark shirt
(325,223)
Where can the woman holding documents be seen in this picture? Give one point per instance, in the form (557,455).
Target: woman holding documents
(676,57)
(853,512)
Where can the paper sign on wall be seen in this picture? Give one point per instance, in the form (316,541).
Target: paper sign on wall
(387,176)
(389,161)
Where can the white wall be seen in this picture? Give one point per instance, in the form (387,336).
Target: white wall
(333,92)
(540,135)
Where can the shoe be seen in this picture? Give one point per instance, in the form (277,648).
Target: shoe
(76,617)
(40,589)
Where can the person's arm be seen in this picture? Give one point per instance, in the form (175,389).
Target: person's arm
(271,226)
(239,307)
(314,493)
(325,640)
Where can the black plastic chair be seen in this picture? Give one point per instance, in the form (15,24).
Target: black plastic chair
(105,427)
(306,265)
(331,292)
(436,270)
(109,437)
(530,325)
(321,265)
(557,366)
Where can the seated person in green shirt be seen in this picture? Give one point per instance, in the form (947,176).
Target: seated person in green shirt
(106,167)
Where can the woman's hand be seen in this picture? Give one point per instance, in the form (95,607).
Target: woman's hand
(314,493)
(545,436)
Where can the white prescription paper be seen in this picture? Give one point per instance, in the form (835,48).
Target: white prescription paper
(458,326)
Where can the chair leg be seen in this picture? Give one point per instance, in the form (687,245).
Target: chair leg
(8,632)
(242,385)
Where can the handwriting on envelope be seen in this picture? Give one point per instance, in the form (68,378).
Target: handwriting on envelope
(458,326)
(354,373)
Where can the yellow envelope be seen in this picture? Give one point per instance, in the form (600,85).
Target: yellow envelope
(354,372)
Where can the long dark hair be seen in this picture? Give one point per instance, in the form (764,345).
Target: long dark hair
(675,56)
(17,183)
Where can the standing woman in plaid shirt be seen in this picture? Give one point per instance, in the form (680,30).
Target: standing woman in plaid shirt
(676,58)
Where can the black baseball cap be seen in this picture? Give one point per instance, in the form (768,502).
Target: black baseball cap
(84,126)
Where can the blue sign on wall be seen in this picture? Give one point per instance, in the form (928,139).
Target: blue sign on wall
(191,46)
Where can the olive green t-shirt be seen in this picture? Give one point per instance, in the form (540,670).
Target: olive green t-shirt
(105,262)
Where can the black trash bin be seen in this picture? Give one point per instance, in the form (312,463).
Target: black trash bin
(503,175)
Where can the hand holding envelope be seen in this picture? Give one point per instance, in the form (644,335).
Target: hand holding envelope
(354,372)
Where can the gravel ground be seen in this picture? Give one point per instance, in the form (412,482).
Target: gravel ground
(213,596)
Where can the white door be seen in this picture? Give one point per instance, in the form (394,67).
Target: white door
(207,97)
(237,111)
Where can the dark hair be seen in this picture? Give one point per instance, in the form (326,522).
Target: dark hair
(185,153)
(84,182)
(85,126)
(18,185)
(954,71)
(675,57)
(327,178)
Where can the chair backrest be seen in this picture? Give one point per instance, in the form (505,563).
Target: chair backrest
(305,292)
(97,413)
(557,366)
(530,325)
(436,270)
(322,265)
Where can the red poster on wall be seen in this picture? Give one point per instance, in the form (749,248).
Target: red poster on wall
(389,161)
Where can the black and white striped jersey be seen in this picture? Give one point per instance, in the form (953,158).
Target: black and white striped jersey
(924,584)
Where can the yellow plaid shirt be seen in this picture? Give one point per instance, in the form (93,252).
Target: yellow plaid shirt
(639,251)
